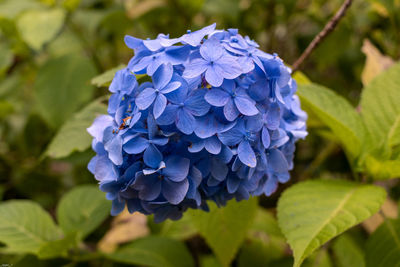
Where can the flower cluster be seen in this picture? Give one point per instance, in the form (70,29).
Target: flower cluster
(217,119)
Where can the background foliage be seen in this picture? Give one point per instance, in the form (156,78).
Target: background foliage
(57,58)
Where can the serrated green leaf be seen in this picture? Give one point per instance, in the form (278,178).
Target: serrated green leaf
(40,26)
(347,253)
(82,210)
(105,78)
(380,107)
(383,246)
(58,248)
(154,251)
(336,113)
(225,228)
(72,136)
(62,86)
(25,226)
(313,212)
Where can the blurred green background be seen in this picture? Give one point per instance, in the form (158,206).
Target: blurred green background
(50,50)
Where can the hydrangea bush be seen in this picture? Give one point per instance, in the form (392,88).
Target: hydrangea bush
(218,120)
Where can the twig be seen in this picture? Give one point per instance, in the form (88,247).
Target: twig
(329,27)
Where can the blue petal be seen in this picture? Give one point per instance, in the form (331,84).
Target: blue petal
(211,50)
(105,170)
(194,38)
(114,149)
(153,66)
(213,77)
(195,68)
(273,116)
(259,90)
(149,186)
(145,98)
(270,186)
(225,155)
(132,42)
(234,136)
(152,156)
(177,168)
(142,64)
(174,192)
(217,97)
(152,45)
(185,121)
(266,140)
(219,170)
(213,145)
(196,146)
(170,87)
(230,111)
(233,184)
(277,161)
(117,207)
(206,126)
(97,128)
(196,103)
(136,145)
(228,68)
(177,54)
(245,106)
(254,123)
(168,116)
(161,141)
(159,105)
(162,76)
(246,154)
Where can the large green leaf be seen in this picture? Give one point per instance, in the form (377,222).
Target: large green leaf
(181,229)
(313,212)
(225,228)
(382,169)
(39,26)
(383,246)
(59,247)
(62,86)
(154,251)
(380,106)
(347,253)
(25,226)
(72,136)
(82,210)
(337,114)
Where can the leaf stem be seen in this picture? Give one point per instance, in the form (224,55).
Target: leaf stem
(329,27)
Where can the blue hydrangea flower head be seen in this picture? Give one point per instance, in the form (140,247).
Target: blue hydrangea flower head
(219,120)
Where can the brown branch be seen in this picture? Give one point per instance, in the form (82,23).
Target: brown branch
(329,27)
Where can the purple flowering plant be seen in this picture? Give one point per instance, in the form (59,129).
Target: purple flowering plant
(218,119)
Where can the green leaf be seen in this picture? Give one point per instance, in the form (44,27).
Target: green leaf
(382,169)
(319,259)
(105,78)
(62,86)
(254,254)
(225,228)
(336,113)
(380,107)
(40,26)
(25,226)
(11,8)
(181,229)
(57,248)
(313,212)
(72,136)
(266,223)
(394,133)
(347,253)
(154,251)
(82,210)
(383,246)
(6,57)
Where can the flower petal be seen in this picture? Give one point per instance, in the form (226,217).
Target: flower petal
(168,116)
(136,145)
(245,106)
(114,149)
(185,121)
(177,168)
(266,140)
(273,116)
(230,111)
(219,170)
(217,97)
(152,156)
(211,50)
(162,76)
(213,77)
(174,192)
(246,154)
(159,105)
(195,68)
(213,145)
(196,103)
(145,98)
(277,161)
